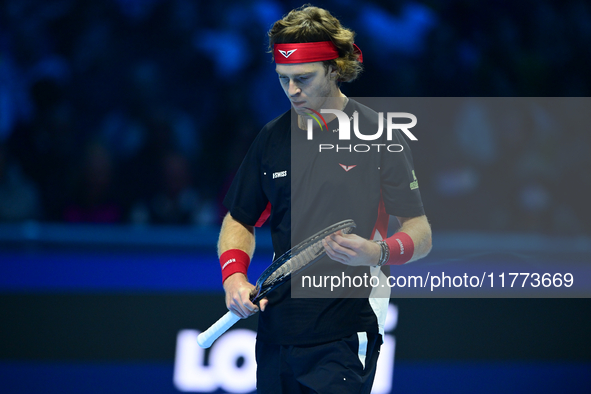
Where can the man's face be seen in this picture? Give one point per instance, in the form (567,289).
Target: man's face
(307,85)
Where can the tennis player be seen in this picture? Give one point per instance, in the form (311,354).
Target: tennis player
(318,345)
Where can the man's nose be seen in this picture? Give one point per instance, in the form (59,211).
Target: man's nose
(293,89)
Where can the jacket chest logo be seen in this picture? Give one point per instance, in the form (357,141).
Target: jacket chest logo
(347,168)
(279,174)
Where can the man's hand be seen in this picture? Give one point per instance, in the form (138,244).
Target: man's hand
(238,296)
(351,249)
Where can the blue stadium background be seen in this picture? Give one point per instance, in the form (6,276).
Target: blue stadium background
(122,122)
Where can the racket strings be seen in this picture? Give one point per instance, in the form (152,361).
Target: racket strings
(297,262)
(300,259)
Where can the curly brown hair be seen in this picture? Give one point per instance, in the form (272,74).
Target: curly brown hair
(313,24)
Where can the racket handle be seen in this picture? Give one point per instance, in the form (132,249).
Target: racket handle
(207,337)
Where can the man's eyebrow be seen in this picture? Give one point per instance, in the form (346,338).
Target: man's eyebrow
(296,75)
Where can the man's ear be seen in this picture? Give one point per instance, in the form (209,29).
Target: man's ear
(333,72)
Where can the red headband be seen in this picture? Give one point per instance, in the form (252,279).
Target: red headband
(308,52)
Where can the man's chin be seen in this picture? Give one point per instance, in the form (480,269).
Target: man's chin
(301,111)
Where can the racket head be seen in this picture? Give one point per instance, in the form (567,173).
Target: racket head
(296,259)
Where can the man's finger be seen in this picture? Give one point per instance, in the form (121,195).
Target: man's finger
(238,311)
(329,252)
(338,248)
(248,307)
(240,304)
(245,311)
(350,241)
(344,241)
(334,255)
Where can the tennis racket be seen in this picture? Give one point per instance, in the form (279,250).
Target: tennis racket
(294,260)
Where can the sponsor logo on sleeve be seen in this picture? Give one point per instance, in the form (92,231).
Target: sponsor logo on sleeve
(415,184)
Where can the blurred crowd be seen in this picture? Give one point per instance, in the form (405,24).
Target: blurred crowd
(140,111)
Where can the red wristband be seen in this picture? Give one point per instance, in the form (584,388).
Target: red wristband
(401,248)
(232,261)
